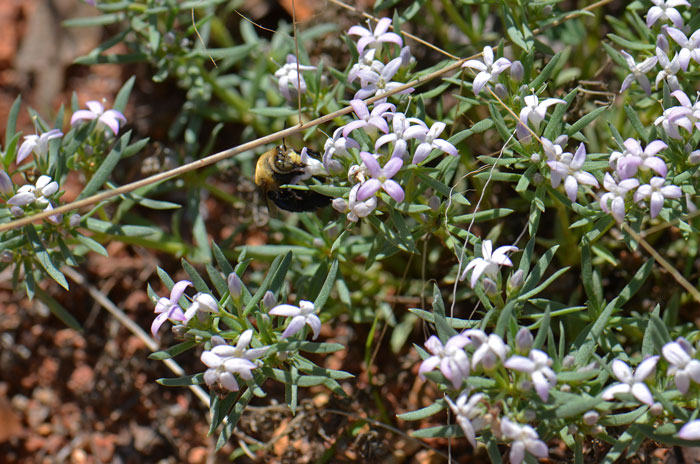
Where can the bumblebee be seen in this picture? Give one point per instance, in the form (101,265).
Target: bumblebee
(284,166)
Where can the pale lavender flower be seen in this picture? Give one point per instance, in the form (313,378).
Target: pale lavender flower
(374,39)
(355,209)
(374,119)
(666,10)
(224,360)
(690,431)
(693,110)
(110,118)
(554,150)
(488,70)
(312,166)
(288,75)
(469,416)
(538,365)
(39,144)
(365,62)
(381,178)
(669,67)
(202,303)
(673,118)
(534,112)
(657,193)
(35,194)
(690,45)
(337,145)
(5,183)
(488,349)
(632,383)
(451,358)
(613,202)
(301,315)
(638,72)
(524,438)
(379,83)
(169,308)
(488,263)
(633,158)
(569,170)
(403,129)
(683,365)
(429,141)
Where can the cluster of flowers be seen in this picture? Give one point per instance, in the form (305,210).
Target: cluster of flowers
(39,195)
(664,10)
(645,163)
(567,168)
(489,352)
(375,172)
(224,360)
(489,355)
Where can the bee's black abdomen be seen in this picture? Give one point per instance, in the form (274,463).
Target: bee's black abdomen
(298,200)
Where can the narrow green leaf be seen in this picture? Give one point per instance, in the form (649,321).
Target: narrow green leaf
(184,381)
(106,168)
(444,330)
(423,413)
(173,351)
(44,258)
(327,286)
(56,308)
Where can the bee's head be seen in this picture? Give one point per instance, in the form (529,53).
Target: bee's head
(286,161)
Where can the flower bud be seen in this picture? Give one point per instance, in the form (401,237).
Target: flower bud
(217,340)
(500,90)
(694,157)
(406,57)
(529,415)
(656,409)
(17,211)
(568,361)
(74,220)
(169,38)
(6,256)
(340,205)
(517,72)
(268,300)
(318,243)
(523,340)
(434,203)
(179,331)
(516,280)
(490,286)
(535,157)
(5,182)
(572,429)
(235,285)
(597,430)
(591,417)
